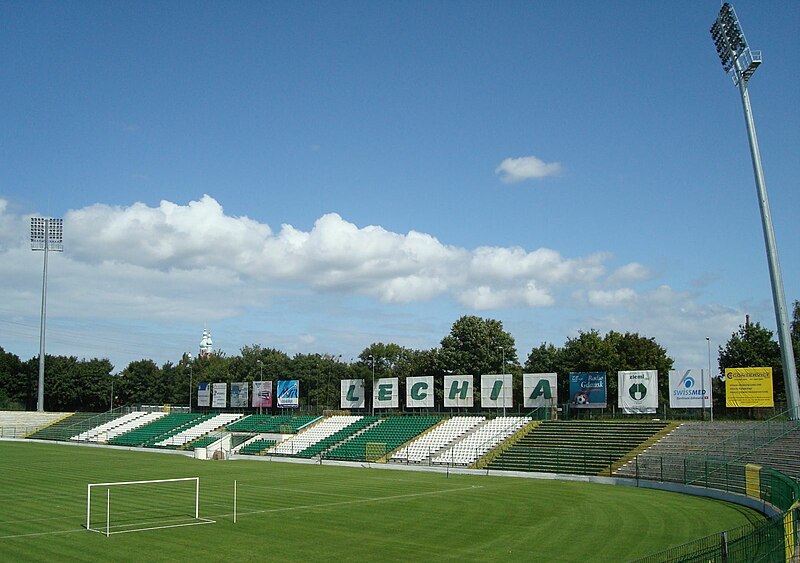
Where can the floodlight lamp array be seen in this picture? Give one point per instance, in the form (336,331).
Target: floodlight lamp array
(730,42)
(47,234)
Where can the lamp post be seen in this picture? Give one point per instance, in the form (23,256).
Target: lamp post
(260,381)
(710,380)
(191,374)
(502,372)
(738,60)
(372,359)
(46,234)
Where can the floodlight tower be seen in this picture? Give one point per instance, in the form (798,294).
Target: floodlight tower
(739,61)
(46,234)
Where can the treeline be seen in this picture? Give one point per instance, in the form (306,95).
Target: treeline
(474,346)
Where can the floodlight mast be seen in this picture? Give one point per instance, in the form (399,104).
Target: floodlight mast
(46,234)
(738,60)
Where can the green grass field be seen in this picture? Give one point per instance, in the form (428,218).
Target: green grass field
(294,512)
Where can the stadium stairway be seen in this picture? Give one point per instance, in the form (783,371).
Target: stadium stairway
(346,433)
(66,427)
(576,447)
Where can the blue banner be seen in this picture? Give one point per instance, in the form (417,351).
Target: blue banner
(288,394)
(587,390)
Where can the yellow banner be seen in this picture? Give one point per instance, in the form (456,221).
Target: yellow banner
(752,475)
(748,387)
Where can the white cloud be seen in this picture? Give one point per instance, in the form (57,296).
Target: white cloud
(514,170)
(151,259)
(193,264)
(610,298)
(633,272)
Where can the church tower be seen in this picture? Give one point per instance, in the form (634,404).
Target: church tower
(206,345)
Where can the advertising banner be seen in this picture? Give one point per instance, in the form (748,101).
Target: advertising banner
(353,395)
(689,389)
(748,387)
(539,390)
(496,391)
(204,394)
(385,394)
(262,394)
(587,390)
(637,391)
(289,394)
(219,396)
(419,392)
(458,391)
(240,394)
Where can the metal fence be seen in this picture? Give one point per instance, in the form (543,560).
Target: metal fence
(774,540)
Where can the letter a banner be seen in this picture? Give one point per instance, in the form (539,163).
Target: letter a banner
(748,387)
(637,391)
(419,392)
(539,390)
(458,391)
(353,395)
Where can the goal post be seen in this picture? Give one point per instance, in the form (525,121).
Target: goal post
(135,506)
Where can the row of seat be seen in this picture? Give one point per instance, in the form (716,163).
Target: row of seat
(429,444)
(118,426)
(157,430)
(484,438)
(313,434)
(383,437)
(195,431)
(339,436)
(586,448)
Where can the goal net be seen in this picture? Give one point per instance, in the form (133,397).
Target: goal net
(136,506)
(374,451)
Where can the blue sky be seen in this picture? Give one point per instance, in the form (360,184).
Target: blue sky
(318,176)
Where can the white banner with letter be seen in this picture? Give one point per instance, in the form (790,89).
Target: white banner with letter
(419,392)
(353,395)
(384,395)
(539,390)
(458,391)
(496,391)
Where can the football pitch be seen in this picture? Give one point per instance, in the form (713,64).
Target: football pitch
(298,512)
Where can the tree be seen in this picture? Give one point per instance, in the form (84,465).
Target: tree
(18,383)
(635,352)
(139,383)
(478,346)
(614,352)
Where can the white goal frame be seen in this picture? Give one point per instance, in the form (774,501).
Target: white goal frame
(107,532)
